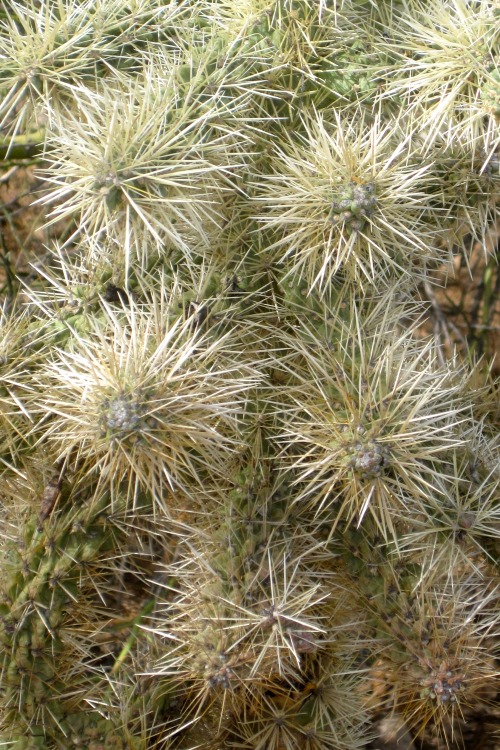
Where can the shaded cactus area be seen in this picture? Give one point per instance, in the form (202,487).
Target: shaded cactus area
(250,495)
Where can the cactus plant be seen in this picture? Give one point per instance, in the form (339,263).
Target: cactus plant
(244,503)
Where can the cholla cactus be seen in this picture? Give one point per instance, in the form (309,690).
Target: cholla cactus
(147,156)
(448,67)
(367,428)
(144,400)
(345,196)
(244,504)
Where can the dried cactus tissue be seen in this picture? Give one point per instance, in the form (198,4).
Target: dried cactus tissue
(250,452)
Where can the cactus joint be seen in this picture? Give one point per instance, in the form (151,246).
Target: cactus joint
(368,460)
(123,416)
(443,684)
(353,204)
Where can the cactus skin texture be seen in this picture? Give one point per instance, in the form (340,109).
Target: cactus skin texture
(244,504)
(49,616)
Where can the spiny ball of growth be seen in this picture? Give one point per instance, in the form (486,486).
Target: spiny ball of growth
(447,56)
(346,198)
(439,649)
(144,401)
(44,51)
(368,428)
(53,54)
(145,162)
(238,637)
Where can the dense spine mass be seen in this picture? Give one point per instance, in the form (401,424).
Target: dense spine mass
(244,504)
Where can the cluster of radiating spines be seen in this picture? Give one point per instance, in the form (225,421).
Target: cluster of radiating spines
(446,68)
(69,559)
(369,417)
(51,54)
(253,631)
(146,158)
(147,395)
(347,196)
(434,630)
(457,524)
(439,644)
(151,154)
(146,384)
